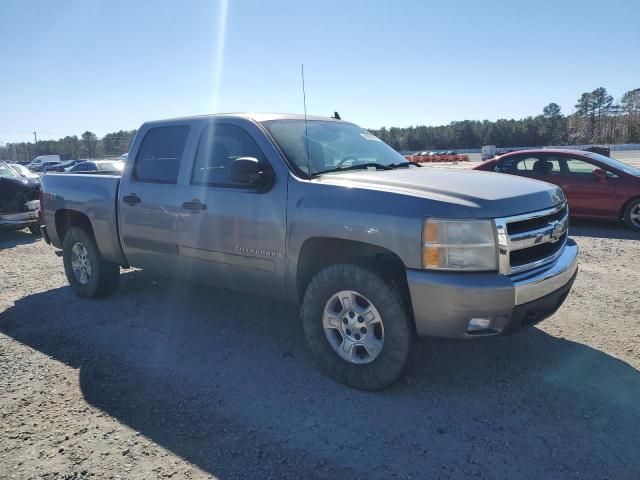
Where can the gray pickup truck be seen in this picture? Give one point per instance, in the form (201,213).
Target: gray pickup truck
(318,211)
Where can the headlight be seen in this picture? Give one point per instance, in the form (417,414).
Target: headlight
(459,245)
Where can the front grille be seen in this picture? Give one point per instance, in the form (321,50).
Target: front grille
(519,258)
(532,240)
(536,222)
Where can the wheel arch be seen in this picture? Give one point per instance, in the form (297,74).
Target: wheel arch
(317,253)
(626,204)
(67,218)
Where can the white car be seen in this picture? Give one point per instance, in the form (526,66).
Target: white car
(23,171)
(40,160)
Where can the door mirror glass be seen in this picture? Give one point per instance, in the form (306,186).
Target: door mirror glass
(247,170)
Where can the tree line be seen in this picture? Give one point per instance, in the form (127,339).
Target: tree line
(597,119)
(88,145)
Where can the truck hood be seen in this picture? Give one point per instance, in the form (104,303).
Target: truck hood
(483,194)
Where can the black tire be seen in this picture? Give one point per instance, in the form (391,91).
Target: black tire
(104,276)
(633,208)
(390,363)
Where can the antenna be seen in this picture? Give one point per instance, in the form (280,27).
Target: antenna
(306,129)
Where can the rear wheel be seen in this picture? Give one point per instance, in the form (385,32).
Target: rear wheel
(89,274)
(357,326)
(632,215)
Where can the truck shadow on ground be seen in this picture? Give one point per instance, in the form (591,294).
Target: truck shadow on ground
(225,381)
(602,229)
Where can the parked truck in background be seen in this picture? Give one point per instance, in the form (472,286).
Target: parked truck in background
(320,212)
(487,152)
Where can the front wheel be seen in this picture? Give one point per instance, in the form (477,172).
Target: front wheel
(89,274)
(632,215)
(357,326)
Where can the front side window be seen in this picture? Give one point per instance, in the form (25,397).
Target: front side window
(318,145)
(158,160)
(581,168)
(219,146)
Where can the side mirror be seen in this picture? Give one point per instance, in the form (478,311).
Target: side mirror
(247,170)
(600,175)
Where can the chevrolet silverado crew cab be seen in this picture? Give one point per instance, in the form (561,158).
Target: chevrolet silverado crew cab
(318,211)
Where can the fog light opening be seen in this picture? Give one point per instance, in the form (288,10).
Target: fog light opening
(480,326)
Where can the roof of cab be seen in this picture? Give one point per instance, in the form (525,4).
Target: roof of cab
(255,116)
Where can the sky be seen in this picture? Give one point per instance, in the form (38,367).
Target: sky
(105,65)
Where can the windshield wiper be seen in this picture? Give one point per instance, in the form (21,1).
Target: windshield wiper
(359,166)
(404,164)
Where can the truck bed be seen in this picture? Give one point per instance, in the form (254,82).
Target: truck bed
(95,196)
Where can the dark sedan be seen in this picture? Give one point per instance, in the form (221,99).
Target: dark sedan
(19,203)
(595,186)
(98,166)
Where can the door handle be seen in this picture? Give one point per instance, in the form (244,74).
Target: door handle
(194,205)
(131,199)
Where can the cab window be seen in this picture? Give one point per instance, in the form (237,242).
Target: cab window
(219,146)
(158,160)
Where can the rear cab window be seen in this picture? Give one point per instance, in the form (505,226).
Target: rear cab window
(158,159)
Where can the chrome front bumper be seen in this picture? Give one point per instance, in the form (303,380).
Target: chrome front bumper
(445,302)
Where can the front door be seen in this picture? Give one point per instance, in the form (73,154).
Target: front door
(587,195)
(234,234)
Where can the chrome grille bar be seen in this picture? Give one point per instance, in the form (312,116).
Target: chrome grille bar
(548,230)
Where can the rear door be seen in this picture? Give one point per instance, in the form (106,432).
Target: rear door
(234,234)
(149,203)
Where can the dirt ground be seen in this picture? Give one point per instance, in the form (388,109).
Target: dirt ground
(175,380)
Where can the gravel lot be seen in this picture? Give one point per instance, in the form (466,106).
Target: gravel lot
(175,380)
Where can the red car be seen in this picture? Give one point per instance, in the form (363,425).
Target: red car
(595,186)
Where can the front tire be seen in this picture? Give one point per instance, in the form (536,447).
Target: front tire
(357,326)
(632,215)
(89,274)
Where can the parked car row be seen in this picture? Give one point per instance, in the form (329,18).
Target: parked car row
(52,163)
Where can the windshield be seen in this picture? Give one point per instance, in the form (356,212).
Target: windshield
(330,145)
(7,172)
(22,170)
(624,167)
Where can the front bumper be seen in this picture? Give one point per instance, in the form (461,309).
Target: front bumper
(445,302)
